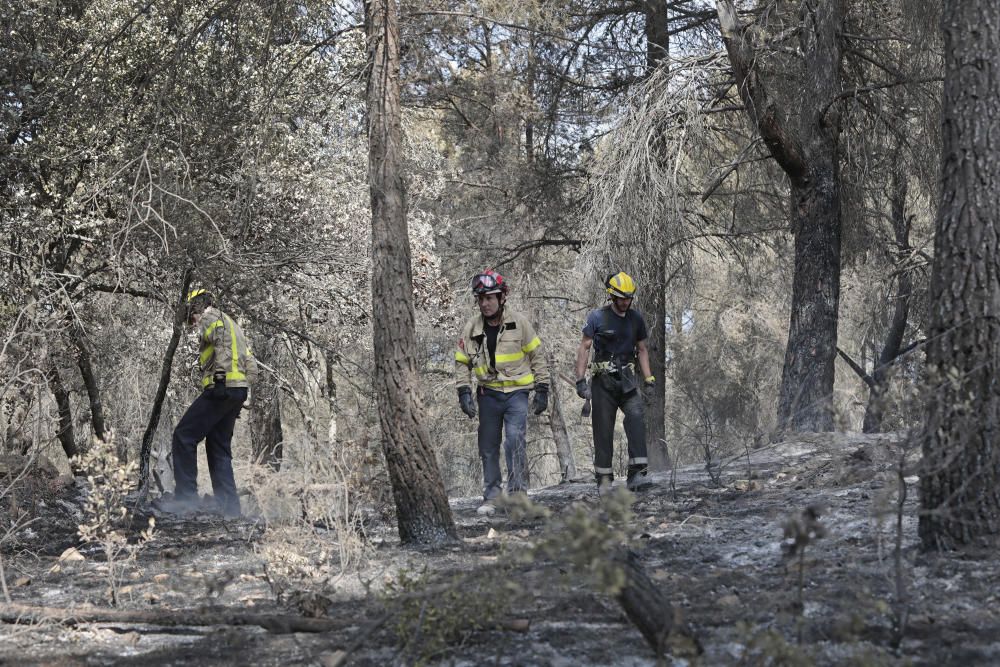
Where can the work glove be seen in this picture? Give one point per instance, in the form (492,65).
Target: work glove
(540,401)
(219,386)
(582,388)
(465,401)
(648,388)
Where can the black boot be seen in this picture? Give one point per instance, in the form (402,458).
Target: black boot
(638,478)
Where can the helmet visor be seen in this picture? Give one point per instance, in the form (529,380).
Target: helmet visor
(484,283)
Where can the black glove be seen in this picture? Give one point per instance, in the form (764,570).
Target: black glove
(219,386)
(465,401)
(541,399)
(648,388)
(582,388)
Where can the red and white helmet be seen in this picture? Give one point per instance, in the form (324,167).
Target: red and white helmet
(488,282)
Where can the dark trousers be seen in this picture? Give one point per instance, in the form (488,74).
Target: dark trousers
(503,414)
(212,420)
(607,398)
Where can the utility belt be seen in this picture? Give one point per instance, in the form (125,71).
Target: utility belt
(612,367)
(615,375)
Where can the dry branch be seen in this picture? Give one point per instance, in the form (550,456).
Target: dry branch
(275,623)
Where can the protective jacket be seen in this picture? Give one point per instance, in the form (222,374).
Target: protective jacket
(223,348)
(519,363)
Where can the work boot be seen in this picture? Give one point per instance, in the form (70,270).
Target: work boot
(487,508)
(604,484)
(638,478)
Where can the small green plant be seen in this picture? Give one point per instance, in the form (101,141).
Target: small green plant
(431,616)
(589,540)
(109,482)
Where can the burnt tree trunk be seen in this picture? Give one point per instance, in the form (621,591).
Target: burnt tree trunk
(422,510)
(65,433)
(655,298)
(86,366)
(808,151)
(875,410)
(146,446)
(960,481)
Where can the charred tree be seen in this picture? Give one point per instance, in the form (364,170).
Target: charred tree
(146,447)
(422,510)
(960,481)
(65,433)
(657,30)
(84,360)
(807,149)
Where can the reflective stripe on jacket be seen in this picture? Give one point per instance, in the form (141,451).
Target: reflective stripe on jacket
(519,363)
(223,347)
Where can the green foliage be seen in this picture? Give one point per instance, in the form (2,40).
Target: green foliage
(109,482)
(431,615)
(589,540)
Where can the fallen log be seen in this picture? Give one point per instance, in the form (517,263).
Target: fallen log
(275,623)
(659,622)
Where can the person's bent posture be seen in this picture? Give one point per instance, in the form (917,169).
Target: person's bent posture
(499,347)
(227,369)
(617,333)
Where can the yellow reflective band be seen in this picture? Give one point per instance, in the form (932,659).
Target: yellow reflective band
(212,327)
(519,382)
(462,357)
(482,371)
(535,342)
(505,358)
(603,471)
(206,354)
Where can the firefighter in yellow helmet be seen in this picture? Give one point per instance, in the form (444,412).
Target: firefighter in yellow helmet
(620,378)
(227,368)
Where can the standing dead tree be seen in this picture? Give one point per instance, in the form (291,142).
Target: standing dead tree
(806,147)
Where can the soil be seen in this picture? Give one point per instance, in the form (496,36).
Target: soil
(722,551)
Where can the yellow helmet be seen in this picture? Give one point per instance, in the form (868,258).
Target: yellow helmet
(195,293)
(620,285)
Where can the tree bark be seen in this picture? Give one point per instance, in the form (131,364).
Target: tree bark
(960,489)
(564,448)
(146,447)
(266,434)
(85,363)
(65,433)
(808,152)
(657,48)
(422,510)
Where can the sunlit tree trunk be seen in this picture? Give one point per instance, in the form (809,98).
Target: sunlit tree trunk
(422,510)
(960,483)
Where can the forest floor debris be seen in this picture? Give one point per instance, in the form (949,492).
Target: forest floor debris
(202,593)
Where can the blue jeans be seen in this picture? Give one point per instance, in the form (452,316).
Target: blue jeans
(212,420)
(503,414)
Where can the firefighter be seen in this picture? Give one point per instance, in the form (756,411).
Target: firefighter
(499,347)
(617,333)
(227,368)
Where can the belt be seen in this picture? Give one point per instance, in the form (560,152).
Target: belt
(610,367)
